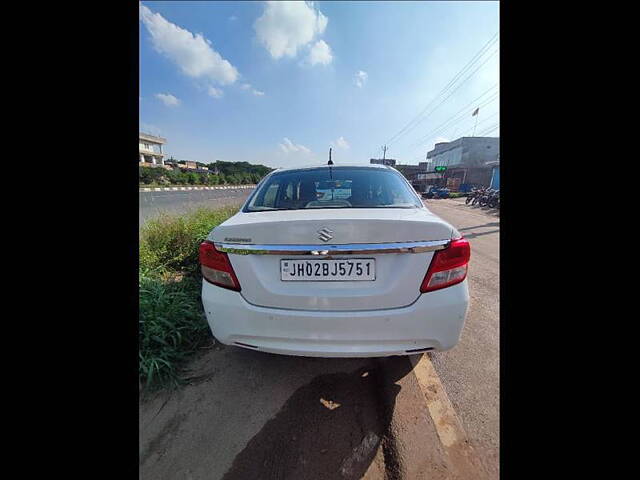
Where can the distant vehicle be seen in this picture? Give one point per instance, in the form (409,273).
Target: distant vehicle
(428,191)
(434,191)
(441,193)
(372,274)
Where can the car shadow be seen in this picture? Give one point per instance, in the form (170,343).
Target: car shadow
(483,208)
(491,224)
(330,428)
(478,234)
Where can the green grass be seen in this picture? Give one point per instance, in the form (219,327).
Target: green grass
(172,325)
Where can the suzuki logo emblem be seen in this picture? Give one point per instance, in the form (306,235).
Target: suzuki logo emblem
(324,234)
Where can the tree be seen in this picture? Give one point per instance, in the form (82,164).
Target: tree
(192,178)
(149,175)
(236,168)
(230,173)
(175,177)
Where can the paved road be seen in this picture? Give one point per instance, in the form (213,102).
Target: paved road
(152,203)
(470,371)
(247,414)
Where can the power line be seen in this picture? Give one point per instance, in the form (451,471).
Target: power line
(416,121)
(461,121)
(490,129)
(443,131)
(455,89)
(484,132)
(461,114)
(412,123)
(459,85)
(490,116)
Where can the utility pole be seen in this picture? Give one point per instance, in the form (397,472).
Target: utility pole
(384,152)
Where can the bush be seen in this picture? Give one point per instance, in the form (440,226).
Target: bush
(148,175)
(172,324)
(457,194)
(192,178)
(171,327)
(176,177)
(170,243)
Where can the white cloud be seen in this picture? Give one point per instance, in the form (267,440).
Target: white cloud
(233,18)
(289,147)
(247,86)
(360,78)
(215,92)
(320,53)
(168,99)
(285,27)
(193,54)
(341,143)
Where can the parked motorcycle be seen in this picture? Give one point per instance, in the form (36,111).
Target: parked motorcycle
(479,196)
(494,199)
(488,199)
(484,197)
(471,195)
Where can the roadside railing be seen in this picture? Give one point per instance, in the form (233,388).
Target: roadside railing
(214,187)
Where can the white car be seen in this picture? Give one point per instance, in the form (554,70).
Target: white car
(374,274)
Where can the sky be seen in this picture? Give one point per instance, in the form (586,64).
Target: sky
(279,83)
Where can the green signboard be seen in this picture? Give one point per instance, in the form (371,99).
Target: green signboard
(440,169)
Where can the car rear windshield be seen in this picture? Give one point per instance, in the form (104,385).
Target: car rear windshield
(338,187)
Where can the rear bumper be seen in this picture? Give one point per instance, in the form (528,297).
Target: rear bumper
(433,322)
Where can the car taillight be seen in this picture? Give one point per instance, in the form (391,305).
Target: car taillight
(448,266)
(216,267)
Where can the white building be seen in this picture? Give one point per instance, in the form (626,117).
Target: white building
(150,148)
(466,160)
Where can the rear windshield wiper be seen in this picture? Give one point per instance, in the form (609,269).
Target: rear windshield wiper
(269,209)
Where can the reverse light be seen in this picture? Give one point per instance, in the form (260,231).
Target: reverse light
(448,266)
(216,267)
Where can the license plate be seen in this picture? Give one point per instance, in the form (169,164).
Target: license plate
(357,269)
